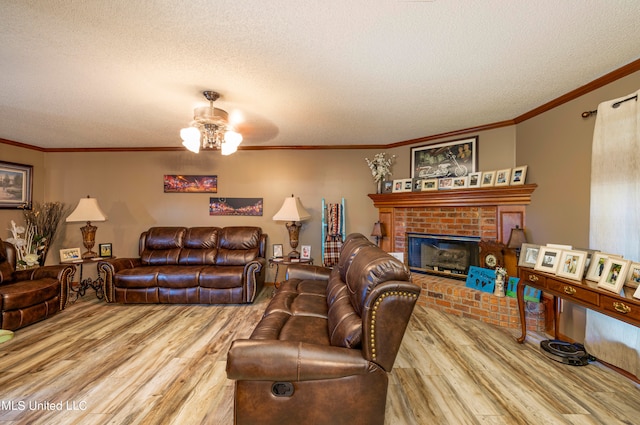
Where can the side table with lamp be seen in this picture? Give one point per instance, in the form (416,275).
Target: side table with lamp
(87,210)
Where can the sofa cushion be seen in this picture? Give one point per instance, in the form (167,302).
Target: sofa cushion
(200,246)
(27,293)
(158,276)
(162,245)
(238,245)
(369,268)
(221,277)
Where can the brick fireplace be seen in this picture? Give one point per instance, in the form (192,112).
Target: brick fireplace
(486,213)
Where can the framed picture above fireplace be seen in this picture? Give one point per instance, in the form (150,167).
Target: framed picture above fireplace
(455,158)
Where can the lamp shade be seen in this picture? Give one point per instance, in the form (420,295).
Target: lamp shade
(377,230)
(292,210)
(517,238)
(87,210)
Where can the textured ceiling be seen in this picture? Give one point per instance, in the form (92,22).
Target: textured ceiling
(123,73)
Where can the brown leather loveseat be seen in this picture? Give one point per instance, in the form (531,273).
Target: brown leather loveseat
(196,265)
(28,296)
(326,342)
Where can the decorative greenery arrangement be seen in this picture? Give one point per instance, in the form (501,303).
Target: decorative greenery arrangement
(33,240)
(380,166)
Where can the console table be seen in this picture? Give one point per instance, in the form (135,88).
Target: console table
(586,293)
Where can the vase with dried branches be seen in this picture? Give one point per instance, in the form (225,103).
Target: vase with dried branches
(41,226)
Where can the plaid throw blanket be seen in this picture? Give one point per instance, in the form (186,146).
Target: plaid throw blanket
(333,242)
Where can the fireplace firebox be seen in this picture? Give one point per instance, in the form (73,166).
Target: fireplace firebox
(442,254)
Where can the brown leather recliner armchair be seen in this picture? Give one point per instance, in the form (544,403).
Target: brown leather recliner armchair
(28,296)
(323,349)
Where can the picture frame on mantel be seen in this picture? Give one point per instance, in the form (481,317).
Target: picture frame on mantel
(454,158)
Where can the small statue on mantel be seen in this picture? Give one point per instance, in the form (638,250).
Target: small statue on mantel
(501,273)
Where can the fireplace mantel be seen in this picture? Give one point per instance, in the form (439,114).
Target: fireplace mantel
(503,195)
(489,213)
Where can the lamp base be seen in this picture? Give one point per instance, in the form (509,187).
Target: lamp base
(89,240)
(294,233)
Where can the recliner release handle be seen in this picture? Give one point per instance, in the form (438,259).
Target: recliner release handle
(282,389)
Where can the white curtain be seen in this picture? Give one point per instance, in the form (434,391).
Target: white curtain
(615,219)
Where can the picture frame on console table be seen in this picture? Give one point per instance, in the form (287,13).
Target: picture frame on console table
(548,259)
(70,255)
(277,250)
(528,255)
(596,266)
(633,277)
(105,250)
(571,264)
(614,274)
(445,159)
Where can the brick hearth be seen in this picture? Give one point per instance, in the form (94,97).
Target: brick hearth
(451,296)
(489,214)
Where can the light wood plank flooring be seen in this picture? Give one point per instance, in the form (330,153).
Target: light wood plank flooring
(98,363)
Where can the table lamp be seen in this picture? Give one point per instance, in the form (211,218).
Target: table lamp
(87,210)
(516,239)
(378,232)
(292,211)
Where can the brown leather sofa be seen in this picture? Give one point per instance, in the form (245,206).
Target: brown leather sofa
(196,265)
(326,342)
(28,296)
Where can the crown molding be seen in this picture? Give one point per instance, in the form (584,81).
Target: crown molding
(574,94)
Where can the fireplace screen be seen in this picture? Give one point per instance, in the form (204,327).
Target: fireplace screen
(442,254)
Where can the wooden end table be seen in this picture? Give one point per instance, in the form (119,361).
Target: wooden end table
(83,284)
(285,261)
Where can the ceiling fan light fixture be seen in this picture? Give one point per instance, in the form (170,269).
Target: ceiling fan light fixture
(210,129)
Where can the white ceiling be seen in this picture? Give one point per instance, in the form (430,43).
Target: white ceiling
(128,73)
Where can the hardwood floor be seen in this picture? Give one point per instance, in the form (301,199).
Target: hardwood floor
(98,363)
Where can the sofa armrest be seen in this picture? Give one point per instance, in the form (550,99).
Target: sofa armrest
(254,278)
(60,272)
(274,360)
(307,271)
(110,268)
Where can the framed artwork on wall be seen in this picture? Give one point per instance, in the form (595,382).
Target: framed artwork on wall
(16,182)
(235,206)
(455,158)
(174,183)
